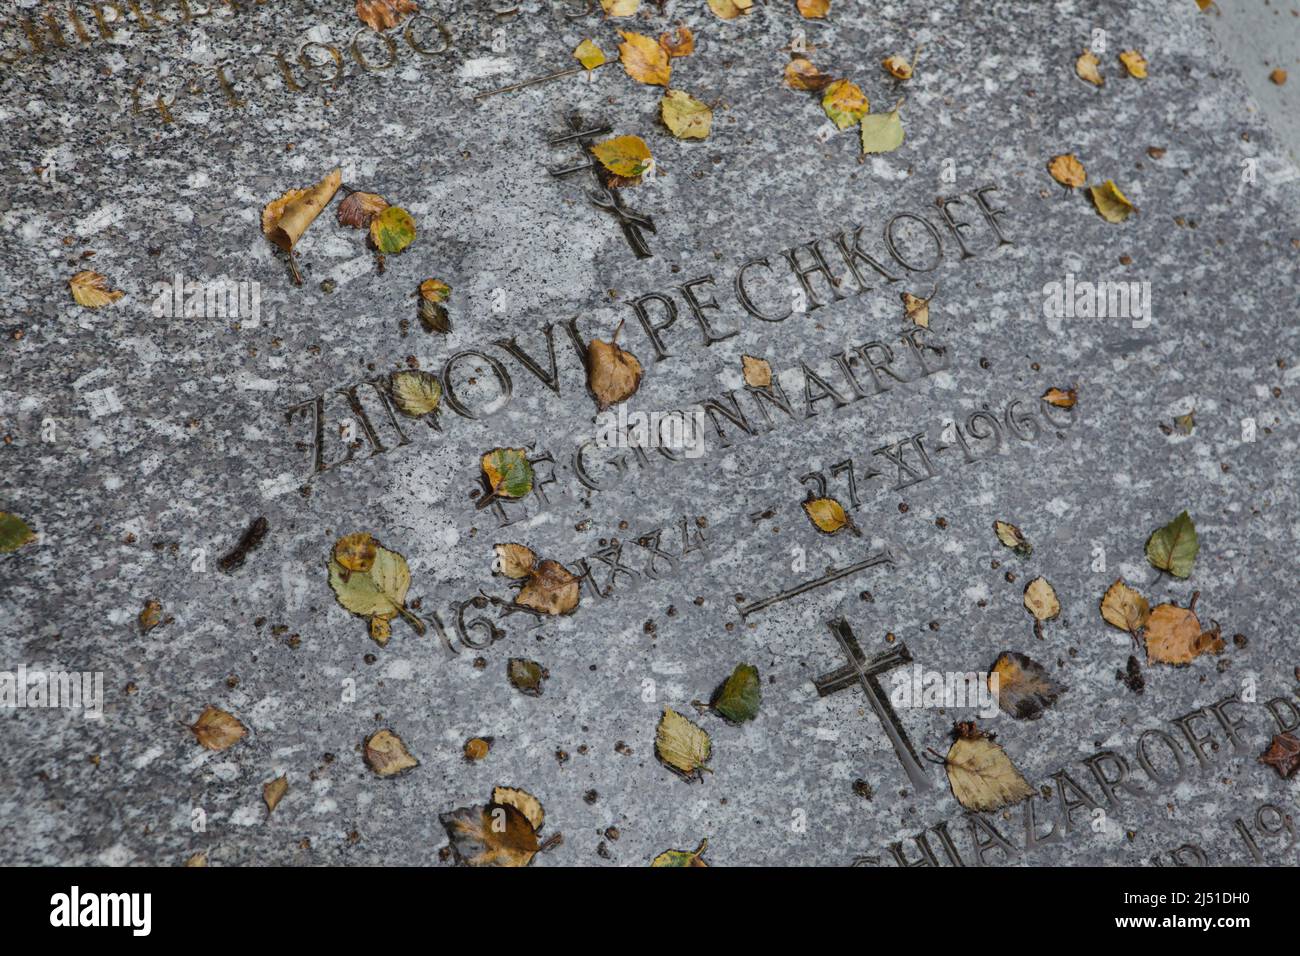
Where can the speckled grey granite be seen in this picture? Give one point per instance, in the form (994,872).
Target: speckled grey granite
(127,502)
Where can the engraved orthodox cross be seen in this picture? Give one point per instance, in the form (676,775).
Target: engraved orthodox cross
(602,197)
(862,672)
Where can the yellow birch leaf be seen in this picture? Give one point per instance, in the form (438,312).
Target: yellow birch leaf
(882,132)
(415,392)
(1124,608)
(1013,538)
(682,746)
(827,515)
(1086,67)
(1061,397)
(671,858)
(91,291)
(386,754)
(685,116)
(273,792)
(217,730)
(730,9)
(644,59)
(1067,170)
(620,8)
(844,103)
(1135,63)
(627,157)
(589,55)
(981,775)
(1040,600)
(1112,204)
(813,9)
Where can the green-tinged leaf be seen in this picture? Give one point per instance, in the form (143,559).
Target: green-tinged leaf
(378,591)
(882,132)
(1173,548)
(508,472)
(682,857)
(685,116)
(392,230)
(845,103)
(14,532)
(738,698)
(415,393)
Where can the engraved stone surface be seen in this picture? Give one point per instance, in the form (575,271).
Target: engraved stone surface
(144,440)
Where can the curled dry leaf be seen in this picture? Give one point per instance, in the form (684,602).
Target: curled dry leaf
(392,230)
(1013,538)
(644,59)
(1023,687)
(273,792)
(620,8)
(382,15)
(551,589)
(1173,548)
(386,754)
(682,857)
(378,591)
(476,748)
(501,833)
(757,371)
(613,375)
(151,616)
(914,307)
(14,533)
(356,552)
(91,291)
(589,55)
(1061,397)
(217,730)
(1067,170)
(1135,63)
(626,157)
(682,746)
(1174,636)
(681,42)
(526,676)
(813,9)
(1124,607)
(508,472)
(685,116)
(1112,204)
(434,294)
(284,220)
(1283,754)
(981,775)
(881,133)
(415,392)
(514,560)
(800,74)
(730,9)
(738,699)
(358,209)
(898,67)
(1185,423)
(1086,67)
(828,515)
(381,629)
(844,103)
(1041,602)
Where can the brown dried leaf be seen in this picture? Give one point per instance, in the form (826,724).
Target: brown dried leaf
(216,730)
(982,776)
(1024,688)
(1013,538)
(526,676)
(514,560)
(358,209)
(1283,754)
(1123,607)
(1174,636)
(681,42)
(1067,170)
(1086,67)
(382,15)
(284,220)
(800,74)
(91,291)
(551,589)
(1061,397)
(757,371)
(273,792)
(476,748)
(897,67)
(151,616)
(916,309)
(1040,600)
(614,374)
(497,834)
(386,755)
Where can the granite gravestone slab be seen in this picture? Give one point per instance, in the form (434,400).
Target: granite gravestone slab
(142,440)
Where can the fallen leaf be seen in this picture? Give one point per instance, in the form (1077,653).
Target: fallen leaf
(738,698)
(1278,77)
(800,74)
(590,55)
(1013,538)
(379,590)
(1135,63)
(508,472)
(681,42)
(685,116)
(620,8)
(476,748)
(551,589)
(1067,170)
(14,533)
(730,9)
(1086,67)
(898,67)
(357,209)
(844,103)
(151,616)
(91,291)
(682,746)
(1024,688)
(682,857)
(498,834)
(813,9)
(614,374)
(514,561)
(382,15)
(1283,754)
(197,859)
(644,59)
(392,230)
(828,515)
(386,754)
(757,371)
(434,294)
(284,220)
(1173,548)
(1123,607)
(356,552)
(981,775)
(1185,423)
(1041,602)
(415,392)
(915,308)
(1174,636)
(381,629)
(1061,397)
(881,132)
(627,157)
(525,676)
(273,792)
(217,730)
(1112,204)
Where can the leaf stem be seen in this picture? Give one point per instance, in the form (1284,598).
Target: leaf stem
(416,624)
